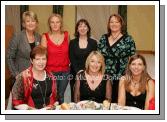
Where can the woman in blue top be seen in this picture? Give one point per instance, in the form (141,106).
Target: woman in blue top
(116,47)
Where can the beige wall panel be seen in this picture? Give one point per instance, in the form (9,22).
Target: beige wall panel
(43,12)
(141,25)
(12,17)
(69,19)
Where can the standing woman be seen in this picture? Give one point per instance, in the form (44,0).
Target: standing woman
(136,87)
(57,43)
(80,47)
(18,55)
(116,47)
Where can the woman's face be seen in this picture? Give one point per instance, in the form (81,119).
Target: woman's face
(137,67)
(39,62)
(30,24)
(115,25)
(55,24)
(94,65)
(82,29)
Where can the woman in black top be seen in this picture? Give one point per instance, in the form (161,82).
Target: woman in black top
(36,90)
(136,88)
(80,47)
(92,83)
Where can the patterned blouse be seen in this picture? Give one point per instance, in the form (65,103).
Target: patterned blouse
(117,55)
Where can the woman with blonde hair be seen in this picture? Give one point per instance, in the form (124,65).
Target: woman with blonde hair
(18,55)
(136,87)
(57,43)
(92,83)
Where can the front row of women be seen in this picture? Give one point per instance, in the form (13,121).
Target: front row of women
(38,89)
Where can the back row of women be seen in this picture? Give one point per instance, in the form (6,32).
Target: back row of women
(65,57)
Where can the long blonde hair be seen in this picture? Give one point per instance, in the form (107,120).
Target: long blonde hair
(144,76)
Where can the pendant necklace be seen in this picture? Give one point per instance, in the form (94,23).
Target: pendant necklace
(114,38)
(92,81)
(57,41)
(43,95)
(135,85)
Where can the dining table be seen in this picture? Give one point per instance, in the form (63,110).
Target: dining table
(92,105)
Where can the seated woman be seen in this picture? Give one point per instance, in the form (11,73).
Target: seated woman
(92,83)
(37,89)
(136,88)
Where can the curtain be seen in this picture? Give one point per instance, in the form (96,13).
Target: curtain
(97,16)
(23,8)
(58,9)
(12,17)
(122,10)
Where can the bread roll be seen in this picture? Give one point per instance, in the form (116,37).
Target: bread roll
(65,106)
(106,103)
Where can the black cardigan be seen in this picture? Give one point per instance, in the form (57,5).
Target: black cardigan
(78,56)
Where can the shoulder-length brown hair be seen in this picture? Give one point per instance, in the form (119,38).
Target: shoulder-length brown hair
(86,23)
(120,19)
(144,76)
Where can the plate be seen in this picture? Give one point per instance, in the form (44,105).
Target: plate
(88,105)
(130,108)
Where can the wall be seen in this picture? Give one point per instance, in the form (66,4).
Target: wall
(12,17)
(141,25)
(43,13)
(69,19)
(140,22)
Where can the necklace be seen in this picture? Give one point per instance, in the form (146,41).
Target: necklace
(43,95)
(134,84)
(57,41)
(93,79)
(114,38)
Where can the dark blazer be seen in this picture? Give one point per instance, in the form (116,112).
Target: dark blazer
(18,53)
(78,56)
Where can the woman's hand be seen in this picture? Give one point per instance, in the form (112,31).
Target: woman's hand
(31,108)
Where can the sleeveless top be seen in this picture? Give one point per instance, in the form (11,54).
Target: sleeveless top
(136,101)
(58,55)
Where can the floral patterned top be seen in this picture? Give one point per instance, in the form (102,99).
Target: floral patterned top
(117,55)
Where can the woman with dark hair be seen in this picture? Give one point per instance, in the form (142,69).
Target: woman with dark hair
(80,47)
(116,47)
(37,90)
(136,87)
